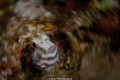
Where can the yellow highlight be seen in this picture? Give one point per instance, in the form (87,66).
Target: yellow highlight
(48,26)
(34,24)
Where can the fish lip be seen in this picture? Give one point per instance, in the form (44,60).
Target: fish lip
(51,49)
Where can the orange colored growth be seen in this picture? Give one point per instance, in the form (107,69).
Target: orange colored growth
(18,51)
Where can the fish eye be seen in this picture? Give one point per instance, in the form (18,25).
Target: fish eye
(34,44)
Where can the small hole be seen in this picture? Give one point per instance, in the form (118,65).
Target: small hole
(34,45)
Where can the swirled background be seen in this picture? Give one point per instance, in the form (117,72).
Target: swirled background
(87,34)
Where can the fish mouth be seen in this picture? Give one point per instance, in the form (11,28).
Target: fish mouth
(51,49)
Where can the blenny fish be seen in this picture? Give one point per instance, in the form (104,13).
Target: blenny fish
(44,53)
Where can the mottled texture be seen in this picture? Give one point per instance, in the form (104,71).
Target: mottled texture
(88,46)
